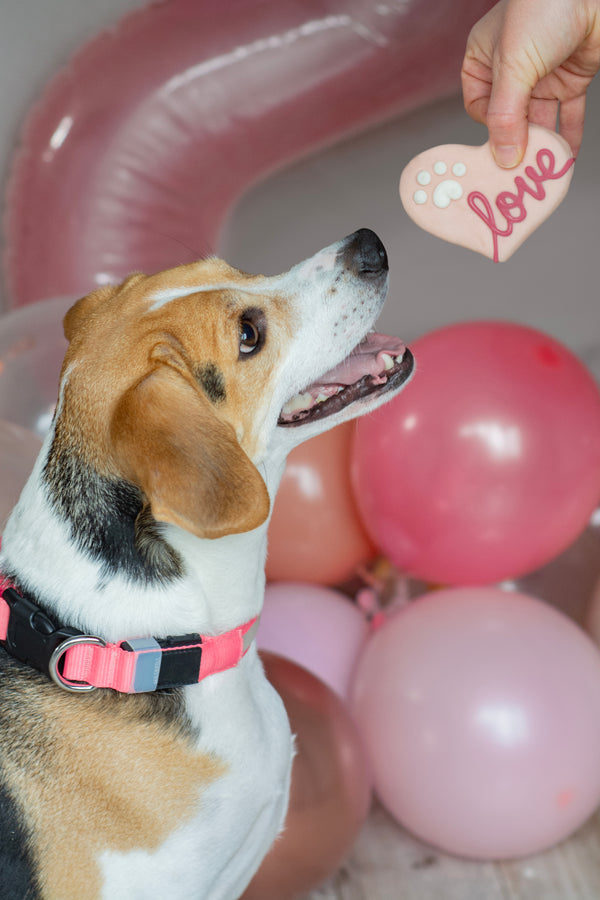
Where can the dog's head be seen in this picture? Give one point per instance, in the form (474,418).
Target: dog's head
(183,383)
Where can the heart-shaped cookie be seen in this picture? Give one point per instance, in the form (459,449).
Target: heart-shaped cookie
(460,194)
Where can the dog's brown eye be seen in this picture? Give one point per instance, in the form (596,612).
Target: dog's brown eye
(249,336)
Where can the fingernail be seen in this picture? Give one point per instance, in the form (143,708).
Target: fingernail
(506,156)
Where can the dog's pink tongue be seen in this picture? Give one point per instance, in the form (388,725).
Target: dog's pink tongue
(368,358)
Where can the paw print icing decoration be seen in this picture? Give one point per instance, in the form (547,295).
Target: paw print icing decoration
(458,192)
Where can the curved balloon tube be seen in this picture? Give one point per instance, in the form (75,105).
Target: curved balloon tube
(18,450)
(32,347)
(139,147)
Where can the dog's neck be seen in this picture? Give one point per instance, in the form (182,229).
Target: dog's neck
(179,583)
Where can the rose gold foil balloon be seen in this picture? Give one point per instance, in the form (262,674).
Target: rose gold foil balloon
(315,533)
(18,451)
(330,793)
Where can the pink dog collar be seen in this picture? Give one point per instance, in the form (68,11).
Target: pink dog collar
(82,662)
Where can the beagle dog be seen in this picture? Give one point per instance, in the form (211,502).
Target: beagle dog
(143,754)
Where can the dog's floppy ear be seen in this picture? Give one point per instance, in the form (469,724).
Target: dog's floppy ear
(83,308)
(80,311)
(167,439)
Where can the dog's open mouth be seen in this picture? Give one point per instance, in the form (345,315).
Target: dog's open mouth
(379,363)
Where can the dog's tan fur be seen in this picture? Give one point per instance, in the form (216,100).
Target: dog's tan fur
(128,411)
(79,772)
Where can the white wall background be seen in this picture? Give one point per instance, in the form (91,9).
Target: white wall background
(551,282)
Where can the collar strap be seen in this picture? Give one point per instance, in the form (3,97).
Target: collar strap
(82,662)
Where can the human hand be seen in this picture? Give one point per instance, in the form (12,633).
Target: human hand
(531,61)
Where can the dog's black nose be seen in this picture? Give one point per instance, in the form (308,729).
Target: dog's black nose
(364,253)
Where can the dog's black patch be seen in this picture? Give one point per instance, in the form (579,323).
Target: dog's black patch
(211,380)
(18,751)
(17,872)
(109,520)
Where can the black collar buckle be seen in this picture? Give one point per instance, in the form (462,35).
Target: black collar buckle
(31,636)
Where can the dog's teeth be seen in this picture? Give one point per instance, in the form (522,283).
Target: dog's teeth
(399,358)
(300,401)
(388,361)
(321,397)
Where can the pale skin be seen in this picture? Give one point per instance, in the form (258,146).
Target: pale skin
(531,61)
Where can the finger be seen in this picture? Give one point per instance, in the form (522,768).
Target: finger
(507,116)
(544,113)
(476,80)
(476,69)
(476,95)
(571,117)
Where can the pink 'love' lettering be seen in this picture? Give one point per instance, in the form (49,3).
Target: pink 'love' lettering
(512,206)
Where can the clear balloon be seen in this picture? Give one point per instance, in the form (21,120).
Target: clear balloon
(136,170)
(316,627)
(315,532)
(32,347)
(18,451)
(480,712)
(488,464)
(330,792)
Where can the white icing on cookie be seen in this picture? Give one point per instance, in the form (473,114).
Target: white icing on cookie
(445,192)
(424,177)
(459,169)
(420,197)
(440,168)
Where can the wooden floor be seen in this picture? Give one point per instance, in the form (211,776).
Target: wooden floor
(388,864)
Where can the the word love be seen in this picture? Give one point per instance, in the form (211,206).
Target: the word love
(511,206)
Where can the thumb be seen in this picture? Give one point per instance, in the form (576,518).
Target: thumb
(507,117)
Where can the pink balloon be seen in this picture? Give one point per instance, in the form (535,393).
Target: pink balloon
(320,629)
(480,712)
(137,169)
(488,465)
(32,347)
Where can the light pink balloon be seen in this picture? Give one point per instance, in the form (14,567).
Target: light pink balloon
(32,347)
(316,627)
(139,148)
(480,712)
(18,451)
(488,464)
